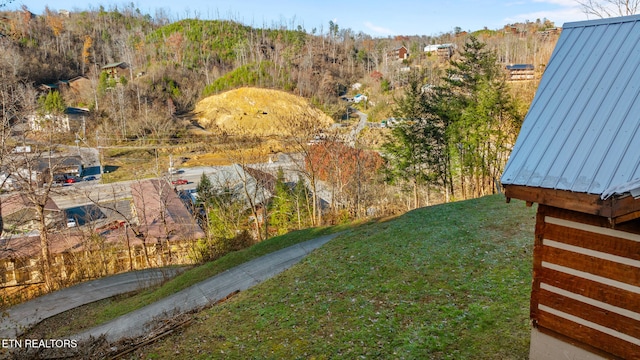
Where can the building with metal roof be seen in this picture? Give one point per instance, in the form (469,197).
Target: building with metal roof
(578,157)
(250,186)
(521,71)
(519,67)
(582,132)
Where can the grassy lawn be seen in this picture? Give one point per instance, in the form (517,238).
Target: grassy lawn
(445,282)
(88,316)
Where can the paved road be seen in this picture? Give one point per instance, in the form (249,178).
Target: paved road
(358,128)
(240,278)
(23,316)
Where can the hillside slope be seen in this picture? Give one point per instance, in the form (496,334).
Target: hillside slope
(256,111)
(449,281)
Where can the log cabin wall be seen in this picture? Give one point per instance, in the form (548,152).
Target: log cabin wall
(586,285)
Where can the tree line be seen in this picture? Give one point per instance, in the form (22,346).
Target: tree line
(172,64)
(455,136)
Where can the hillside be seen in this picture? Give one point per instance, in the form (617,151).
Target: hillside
(256,111)
(449,281)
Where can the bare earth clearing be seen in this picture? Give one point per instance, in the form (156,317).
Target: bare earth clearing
(259,112)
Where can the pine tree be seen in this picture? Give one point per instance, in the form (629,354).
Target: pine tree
(416,153)
(52,103)
(282,205)
(479,115)
(205,190)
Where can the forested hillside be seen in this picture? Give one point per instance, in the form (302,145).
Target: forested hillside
(141,77)
(172,65)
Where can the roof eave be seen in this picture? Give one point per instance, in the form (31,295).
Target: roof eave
(618,208)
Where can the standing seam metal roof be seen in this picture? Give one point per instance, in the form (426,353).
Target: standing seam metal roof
(582,131)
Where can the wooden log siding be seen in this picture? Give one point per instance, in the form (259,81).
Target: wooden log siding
(587,281)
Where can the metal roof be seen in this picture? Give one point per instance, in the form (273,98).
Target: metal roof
(113,65)
(520,67)
(248,185)
(582,132)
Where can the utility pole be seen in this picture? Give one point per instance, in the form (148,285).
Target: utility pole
(99,152)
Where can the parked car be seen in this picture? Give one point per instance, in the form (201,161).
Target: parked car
(116,224)
(180,182)
(71,222)
(90,178)
(70,180)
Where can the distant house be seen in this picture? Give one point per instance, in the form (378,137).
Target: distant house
(39,170)
(549,32)
(578,157)
(521,72)
(71,120)
(358,98)
(376,75)
(79,85)
(431,48)
(399,53)
(116,70)
(49,122)
(250,186)
(19,214)
(445,51)
(64,166)
(511,29)
(58,85)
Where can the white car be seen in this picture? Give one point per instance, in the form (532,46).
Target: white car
(71,222)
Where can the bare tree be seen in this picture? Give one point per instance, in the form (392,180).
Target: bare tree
(300,140)
(251,183)
(111,204)
(34,174)
(609,8)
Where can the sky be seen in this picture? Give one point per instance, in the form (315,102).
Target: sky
(377,18)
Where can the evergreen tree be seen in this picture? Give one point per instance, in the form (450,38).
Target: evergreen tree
(416,154)
(205,190)
(480,115)
(303,204)
(459,129)
(282,205)
(52,103)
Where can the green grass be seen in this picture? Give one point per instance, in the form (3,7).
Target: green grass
(100,312)
(445,282)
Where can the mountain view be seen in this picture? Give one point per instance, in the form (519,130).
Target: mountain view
(133,144)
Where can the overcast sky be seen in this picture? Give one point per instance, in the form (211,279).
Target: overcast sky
(376,18)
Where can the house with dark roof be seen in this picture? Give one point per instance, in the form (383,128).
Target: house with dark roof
(60,84)
(520,72)
(578,157)
(61,167)
(116,70)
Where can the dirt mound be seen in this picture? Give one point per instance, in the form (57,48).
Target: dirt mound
(262,112)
